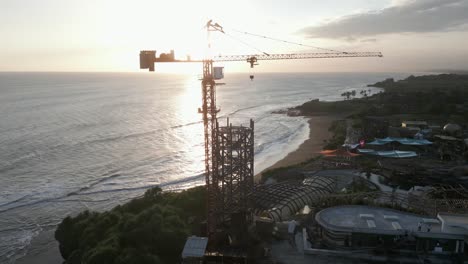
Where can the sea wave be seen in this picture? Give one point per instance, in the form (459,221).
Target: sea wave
(85,191)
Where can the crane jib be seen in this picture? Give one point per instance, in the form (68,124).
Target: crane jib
(148,58)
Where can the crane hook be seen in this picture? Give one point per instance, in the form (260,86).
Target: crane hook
(253,61)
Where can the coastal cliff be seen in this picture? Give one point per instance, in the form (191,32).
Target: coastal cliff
(442,96)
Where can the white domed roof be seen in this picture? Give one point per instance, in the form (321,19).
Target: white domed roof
(452,128)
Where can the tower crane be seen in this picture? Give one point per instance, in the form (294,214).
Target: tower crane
(209,110)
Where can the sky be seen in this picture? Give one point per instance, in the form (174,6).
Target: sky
(107,35)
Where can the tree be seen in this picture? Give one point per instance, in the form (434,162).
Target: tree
(148,230)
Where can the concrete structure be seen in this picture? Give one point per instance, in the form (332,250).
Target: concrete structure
(386,230)
(454,223)
(373,220)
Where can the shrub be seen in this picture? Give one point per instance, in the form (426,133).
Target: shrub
(149,230)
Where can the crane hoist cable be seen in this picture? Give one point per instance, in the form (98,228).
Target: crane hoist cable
(285,41)
(251,46)
(245,43)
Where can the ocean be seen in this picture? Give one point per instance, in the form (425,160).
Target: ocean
(76,141)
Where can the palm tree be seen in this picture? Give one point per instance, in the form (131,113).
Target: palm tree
(346,94)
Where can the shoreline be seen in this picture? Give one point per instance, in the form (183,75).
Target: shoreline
(311,147)
(50,255)
(318,132)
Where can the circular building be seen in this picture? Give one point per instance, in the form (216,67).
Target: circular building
(452,129)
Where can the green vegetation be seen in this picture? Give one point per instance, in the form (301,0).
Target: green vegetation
(317,107)
(338,129)
(288,173)
(443,95)
(428,83)
(367,165)
(151,229)
(360,186)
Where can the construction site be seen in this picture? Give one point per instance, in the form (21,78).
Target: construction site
(248,222)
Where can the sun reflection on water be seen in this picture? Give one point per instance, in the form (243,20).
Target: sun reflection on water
(189,101)
(190,135)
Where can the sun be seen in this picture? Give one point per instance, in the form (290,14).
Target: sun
(162,26)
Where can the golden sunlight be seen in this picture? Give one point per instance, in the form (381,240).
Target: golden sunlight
(179,27)
(189,101)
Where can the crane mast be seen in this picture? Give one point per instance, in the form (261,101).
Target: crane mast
(228,184)
(209,112)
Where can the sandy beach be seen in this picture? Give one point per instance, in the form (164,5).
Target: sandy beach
(318,132)
(36,255)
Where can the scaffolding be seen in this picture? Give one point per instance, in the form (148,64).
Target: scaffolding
(235,163)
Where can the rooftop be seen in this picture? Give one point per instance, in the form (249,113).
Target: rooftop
(377,220)
(195,247)
(403,141)
(454,223)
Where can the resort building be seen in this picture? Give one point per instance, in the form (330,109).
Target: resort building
(396,147)
(386,232)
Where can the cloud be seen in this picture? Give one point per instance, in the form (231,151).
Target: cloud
(403,16)
(400,2)
(369,40)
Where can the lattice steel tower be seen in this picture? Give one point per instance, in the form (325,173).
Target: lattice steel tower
(209,111)
(229,157)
